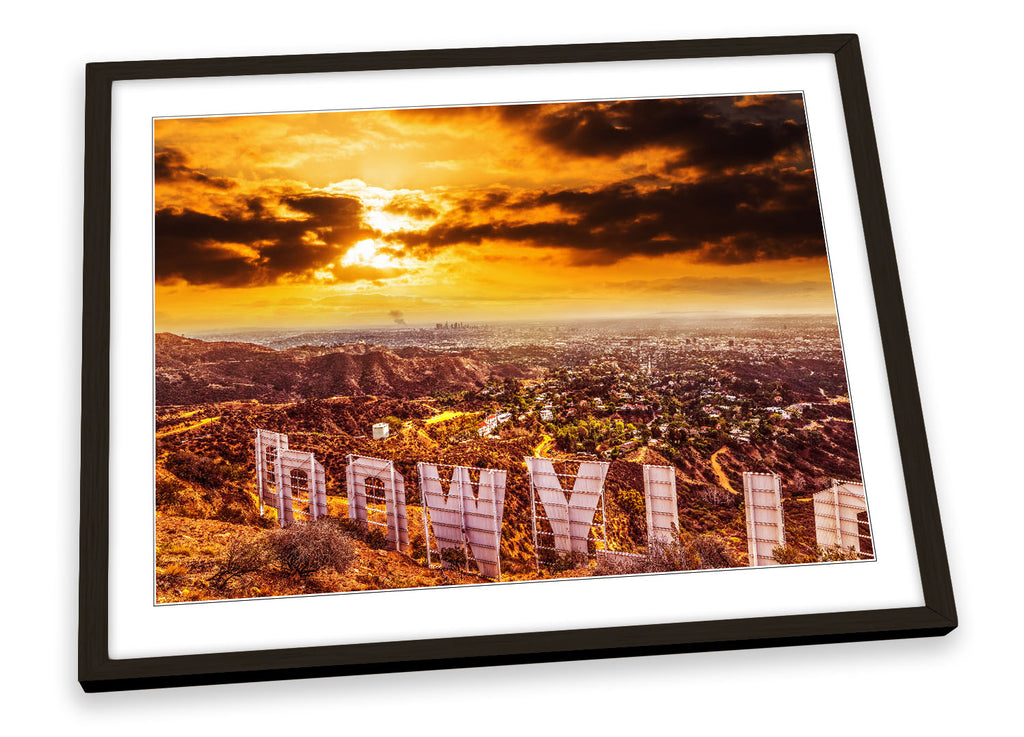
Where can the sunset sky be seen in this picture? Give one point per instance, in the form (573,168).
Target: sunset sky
(623,208)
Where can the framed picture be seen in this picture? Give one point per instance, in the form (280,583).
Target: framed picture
(433,359)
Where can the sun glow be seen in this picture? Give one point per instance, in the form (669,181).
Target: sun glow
(387,223)
(368,252)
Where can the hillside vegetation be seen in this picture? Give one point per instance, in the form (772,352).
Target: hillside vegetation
(206,499)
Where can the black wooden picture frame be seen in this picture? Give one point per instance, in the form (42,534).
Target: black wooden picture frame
(99,672)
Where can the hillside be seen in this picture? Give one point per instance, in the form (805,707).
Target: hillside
(189,551)
(206,492)
(191,371)
(327,400)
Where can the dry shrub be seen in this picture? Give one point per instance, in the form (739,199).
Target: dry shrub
(559,562)
(623,565)
(396,580)
(708,551)
(325,582)
(352,527)
(835,553)
(687,553)
(454,558)
(418,548)
(238,511)
(376,538)
(175,548)
(184,500)
(203,470)
(168,492)
(308,548)
(716,496)
(174,571)
(241,558)
(304,550)
(788,554)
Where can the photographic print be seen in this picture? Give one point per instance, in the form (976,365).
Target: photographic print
(472,345)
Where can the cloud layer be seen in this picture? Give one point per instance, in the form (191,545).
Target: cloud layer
(374,197)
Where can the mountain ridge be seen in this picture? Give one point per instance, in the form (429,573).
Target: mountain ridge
(191,371)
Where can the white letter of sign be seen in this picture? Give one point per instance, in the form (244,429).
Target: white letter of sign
(467,515)
(836,517)
(762,498)
(660,498)
(361,468)
(571,515)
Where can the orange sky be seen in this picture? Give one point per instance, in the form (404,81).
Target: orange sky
(493,213)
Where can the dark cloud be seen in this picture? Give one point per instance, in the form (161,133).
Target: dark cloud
(724,219)
(712,134)
(326,210)
(251,246)
(397,316)
(171,165)
(249,243)
(411,206)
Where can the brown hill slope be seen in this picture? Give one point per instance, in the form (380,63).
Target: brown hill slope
(189,552)
(191,371)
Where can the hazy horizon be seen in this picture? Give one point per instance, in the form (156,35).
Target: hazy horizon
(692,317)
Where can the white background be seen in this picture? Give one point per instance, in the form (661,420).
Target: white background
(946,110)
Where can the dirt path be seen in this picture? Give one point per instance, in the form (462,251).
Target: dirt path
(723,480)
(442,416)
(439,417)
(186,428)
(542,447)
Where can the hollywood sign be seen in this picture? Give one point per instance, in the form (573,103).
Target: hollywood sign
(463,506)
(840,518)
(292,482)
(762,498)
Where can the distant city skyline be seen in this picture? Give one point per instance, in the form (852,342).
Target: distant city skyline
(553,211)
(698,319)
